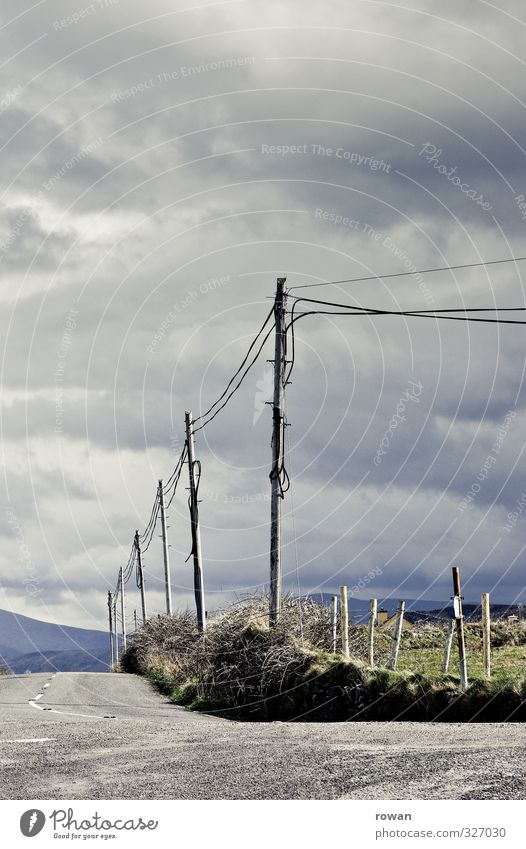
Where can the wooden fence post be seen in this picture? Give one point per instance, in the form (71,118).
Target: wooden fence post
(397,635)
(344,622)
(334,622)
(486,634)
(447,647)
(373,604)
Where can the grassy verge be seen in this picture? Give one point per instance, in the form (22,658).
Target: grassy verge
(243,670)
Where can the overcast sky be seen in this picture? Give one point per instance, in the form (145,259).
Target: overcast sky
(161,165)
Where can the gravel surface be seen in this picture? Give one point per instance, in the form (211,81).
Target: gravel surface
(101,736)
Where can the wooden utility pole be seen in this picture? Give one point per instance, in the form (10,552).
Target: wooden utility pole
(397,635)
(123,614)
(115,632)
(373,605)
(447,647)
(486,634)
(110,616)
(344,622)
(199,589)
(334,622)
(165,552)
(140,576)
(278,420)
(457,609)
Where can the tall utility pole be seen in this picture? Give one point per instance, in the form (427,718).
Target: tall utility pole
(123,615)
(115,634)
(110,616)
(165,552)
(457,610)
(278,417)
(199,588)
(140,576)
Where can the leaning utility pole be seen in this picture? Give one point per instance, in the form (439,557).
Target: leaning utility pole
(123,615)
(278,414)
(165,552)
(199,589)
(140,576)
(457,611)
(110,615)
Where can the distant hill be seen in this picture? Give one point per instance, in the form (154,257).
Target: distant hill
(418,610)
(359,608)
(29,643)
(472,612)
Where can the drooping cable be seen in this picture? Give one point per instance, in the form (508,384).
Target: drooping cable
(170,486)
(232,379)
(240,381)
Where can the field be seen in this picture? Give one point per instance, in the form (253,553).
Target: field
(422,650)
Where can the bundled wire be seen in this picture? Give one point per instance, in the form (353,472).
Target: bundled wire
(170,489)
(278,470)
(227,393)
(146,537)
(128,569)
(168,484)
(193,504)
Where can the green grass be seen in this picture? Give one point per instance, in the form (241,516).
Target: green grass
(507,662)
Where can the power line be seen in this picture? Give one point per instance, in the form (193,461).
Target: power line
(346,309)
(230,382)
(409,273)
(236,387)
(128,569)
(168,485)
(153,519)
(176,479)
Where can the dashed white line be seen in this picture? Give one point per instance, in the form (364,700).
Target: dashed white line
(30,740)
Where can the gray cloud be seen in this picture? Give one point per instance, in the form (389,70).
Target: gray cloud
(148,148)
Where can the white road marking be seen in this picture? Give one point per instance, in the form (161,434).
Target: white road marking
(33,703)
(31,740)
(38,697)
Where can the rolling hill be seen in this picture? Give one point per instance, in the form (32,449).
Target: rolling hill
(28,644)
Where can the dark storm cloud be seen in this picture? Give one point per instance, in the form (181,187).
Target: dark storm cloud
(172,168)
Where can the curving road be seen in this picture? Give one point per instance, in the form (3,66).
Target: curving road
(100,736)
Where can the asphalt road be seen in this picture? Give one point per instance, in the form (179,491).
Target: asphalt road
(100,736)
